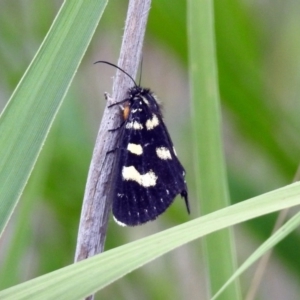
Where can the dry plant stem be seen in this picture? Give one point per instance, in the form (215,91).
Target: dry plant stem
(263,262)
(96,203)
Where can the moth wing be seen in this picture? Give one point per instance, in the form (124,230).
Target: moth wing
(147,182)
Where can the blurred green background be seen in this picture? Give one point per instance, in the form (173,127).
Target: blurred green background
(258,46)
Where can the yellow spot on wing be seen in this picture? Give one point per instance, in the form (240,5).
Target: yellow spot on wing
(135,125)
(163,153)
(135,148)
(145,180)
(151,123)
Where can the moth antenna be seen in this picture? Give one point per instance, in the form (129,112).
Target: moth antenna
(141,69)
(113,65)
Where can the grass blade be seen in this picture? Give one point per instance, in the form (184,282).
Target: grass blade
(285,230)
(27,118)
(86,277)
(210,165)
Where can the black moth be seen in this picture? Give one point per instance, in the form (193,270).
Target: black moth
(148,174)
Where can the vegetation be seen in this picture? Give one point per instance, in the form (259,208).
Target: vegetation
(257,54)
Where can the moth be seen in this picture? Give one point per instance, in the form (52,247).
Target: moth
(147,174)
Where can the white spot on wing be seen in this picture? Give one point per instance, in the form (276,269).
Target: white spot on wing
(135,110)
(135,148)
(118,222)
(168,192)
(163,153)
(145,100)
(151,123)
(174,151)
(135,125)
(145,180)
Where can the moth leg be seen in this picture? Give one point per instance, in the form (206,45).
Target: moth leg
(113,150)
(109,99)
(117,128)
(116,103)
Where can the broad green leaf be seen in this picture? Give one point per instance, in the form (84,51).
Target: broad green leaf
(86,277)
(28,116)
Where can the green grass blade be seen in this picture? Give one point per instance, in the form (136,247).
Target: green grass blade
(278,236)
(211,179)
(27,118)
(84,278)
